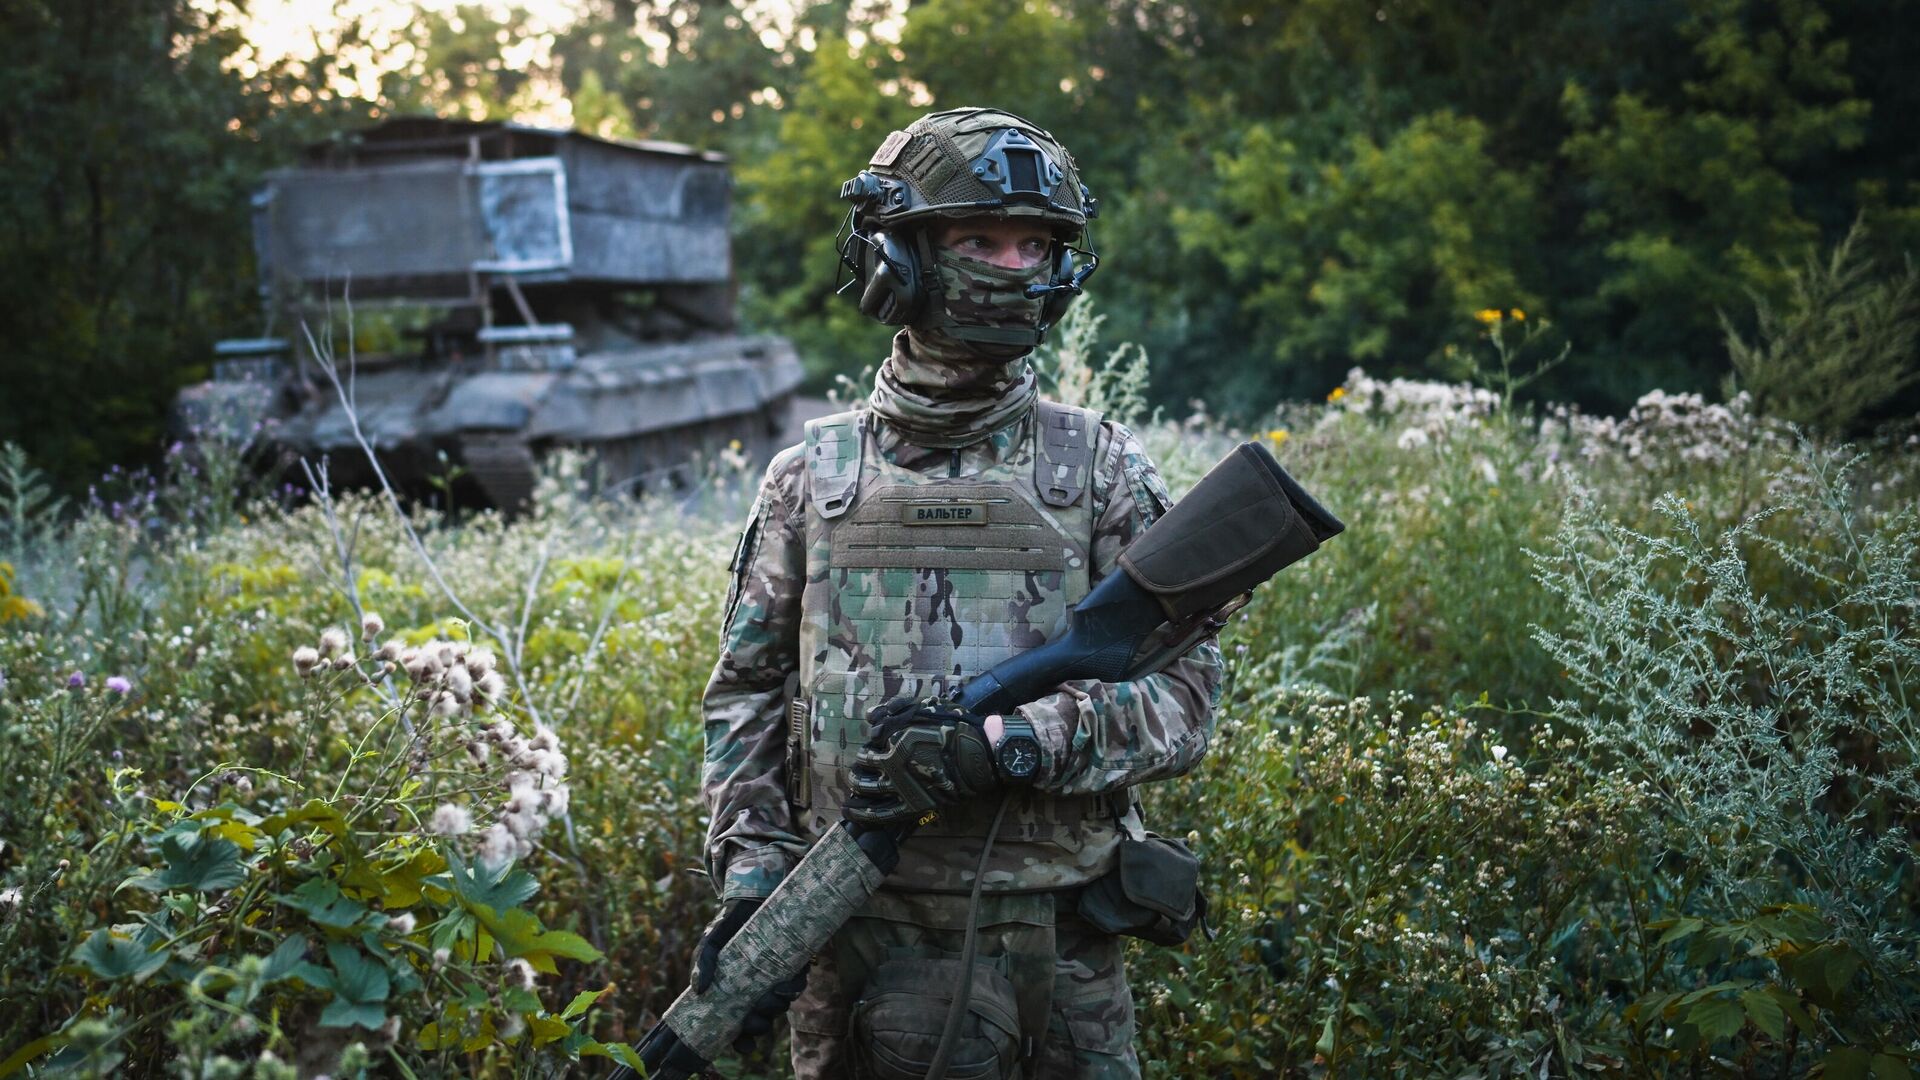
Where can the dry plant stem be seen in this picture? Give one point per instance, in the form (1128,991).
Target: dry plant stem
(323,356)
(344,545)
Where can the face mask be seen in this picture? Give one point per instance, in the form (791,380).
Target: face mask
(983,303)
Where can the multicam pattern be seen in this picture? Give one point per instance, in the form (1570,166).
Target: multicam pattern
(1098,738)
(1066,971)
(932,392)
(975,292)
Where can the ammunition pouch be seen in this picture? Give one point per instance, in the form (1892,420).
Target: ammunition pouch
(1152,893)
(1244,522)
(897,1022)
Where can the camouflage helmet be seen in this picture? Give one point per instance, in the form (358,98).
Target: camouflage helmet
(969,162)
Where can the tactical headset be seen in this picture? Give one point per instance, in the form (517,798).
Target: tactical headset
(892,267)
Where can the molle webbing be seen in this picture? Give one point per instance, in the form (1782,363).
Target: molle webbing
(833,461)
(1064,461)
(968,527)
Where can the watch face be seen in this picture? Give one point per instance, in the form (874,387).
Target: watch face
(1019,756)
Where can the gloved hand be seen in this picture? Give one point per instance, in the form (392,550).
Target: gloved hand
(706,955)
(919,756)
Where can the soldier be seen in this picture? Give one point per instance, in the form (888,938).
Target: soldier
(901,548)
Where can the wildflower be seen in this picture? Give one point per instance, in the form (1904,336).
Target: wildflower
(498,845)
(441,956)
(1499,753)
(479,662)
(459,683)
(1337,393)
(478,751)
(390,650)
(445,704)
(1517,315)
(512,1025)
(76,680)
(402,923)
(520,974)
(1412,439)
(118,684)
(370,626)
(1488,316)
(9,899)
(550,763)
(450,820)
(544,738)
(492,686)
(557,801)
(344,661)
(333,641)
(243,788)
(1277,436)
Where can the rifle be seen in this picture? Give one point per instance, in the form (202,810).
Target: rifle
(1245,521)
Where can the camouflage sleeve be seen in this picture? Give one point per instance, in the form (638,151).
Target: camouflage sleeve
(1099,736)
(751,839)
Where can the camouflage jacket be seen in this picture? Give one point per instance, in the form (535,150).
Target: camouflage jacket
(1096,737)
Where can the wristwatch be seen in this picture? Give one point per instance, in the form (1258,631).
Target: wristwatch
(1017,754)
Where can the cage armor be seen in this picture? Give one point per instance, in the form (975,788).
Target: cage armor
(916,582)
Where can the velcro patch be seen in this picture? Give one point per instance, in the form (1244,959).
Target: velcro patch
(890,149)
(944,513)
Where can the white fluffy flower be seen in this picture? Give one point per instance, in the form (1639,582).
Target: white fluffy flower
(370,626)
(480,661)
(445,704)
(497,845)
(557,801)
(9,899)
(402,923)
(1499,753)
(549,764)
(544,738)
(459,683)
(492,686)
(333,641)
(1412,439)
(450,820)
(304,659)
(390,650)
(520,974)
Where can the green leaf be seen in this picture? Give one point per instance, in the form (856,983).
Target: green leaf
(27,1053)
(581,1002)
(112,954)
(201,863)
(1789,1003)
(545,1029)
(1717,1018)
(341,1013)
(286,957)
(1888,1067)
(1847,1063)
(357,976)
(1325,1045)
(628,1057)
(1765,1013)
(495,886)
(520,935)
(1676,929)
(323,902)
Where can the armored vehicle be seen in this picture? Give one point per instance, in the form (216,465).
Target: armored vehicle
(539,288)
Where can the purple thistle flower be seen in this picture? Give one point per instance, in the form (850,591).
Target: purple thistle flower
(118,684)
(76,680)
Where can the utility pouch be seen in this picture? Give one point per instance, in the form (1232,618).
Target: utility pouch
(897,1022)
(1152,893)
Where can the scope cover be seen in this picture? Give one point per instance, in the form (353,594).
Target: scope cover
(1245,521)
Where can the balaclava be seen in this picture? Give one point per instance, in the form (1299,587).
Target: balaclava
(939,389)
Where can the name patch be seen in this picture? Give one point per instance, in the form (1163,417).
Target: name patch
(946,513)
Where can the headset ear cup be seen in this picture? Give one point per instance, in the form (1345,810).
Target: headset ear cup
(890,280)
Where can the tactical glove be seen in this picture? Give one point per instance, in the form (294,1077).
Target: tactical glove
(706,956)
(919,756)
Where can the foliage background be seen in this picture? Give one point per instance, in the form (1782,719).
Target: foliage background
(1287,189)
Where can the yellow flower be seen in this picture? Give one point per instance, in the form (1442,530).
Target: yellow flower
(1517,315)
(1277,436)
(1488,316)
(1338,393)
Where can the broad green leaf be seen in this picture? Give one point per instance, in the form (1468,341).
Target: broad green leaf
(315,812)
(1888,1067)
(1676,929)
(581,1002)
(27,1053)
(1765,1013)
(496,886)
(1717,1018)
(483,1038)
(286,957)
(520,935)
(341,1013)
(545,1029)
(402,885)
(323,902)
(112,954)
(357,976)
(1847,1063)
(200,863)
(1789,1003)
(629,1057)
